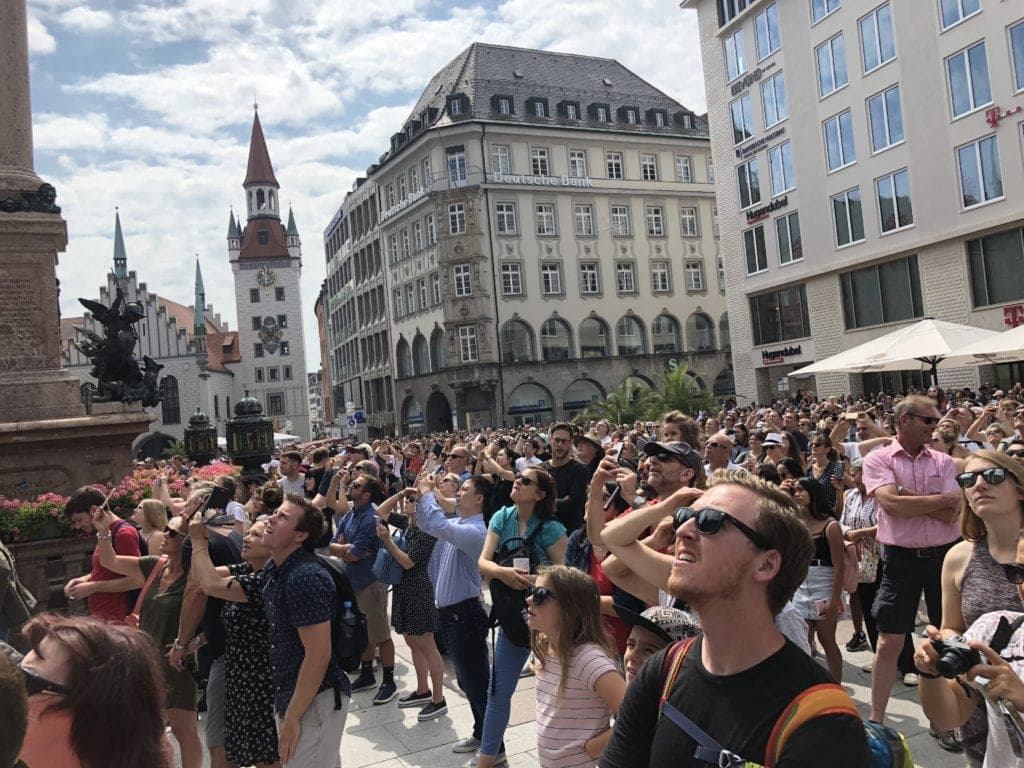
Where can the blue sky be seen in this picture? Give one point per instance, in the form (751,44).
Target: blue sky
(147,106)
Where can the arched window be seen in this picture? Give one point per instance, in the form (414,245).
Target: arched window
(438,356)
(594,338)
(273,200)
(665,330)
(420,355)
(171,403)
(700,333)
(630,336)
(261,200)
(250,201)
(723,331)
(516,342)
(555,340)
(404,359)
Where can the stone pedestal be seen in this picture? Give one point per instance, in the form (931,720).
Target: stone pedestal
(44,567)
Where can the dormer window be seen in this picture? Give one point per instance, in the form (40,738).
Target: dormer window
(455,107)
(687,121)
(537,107)
(657,117)
(502,104)
(569,109)
(600,112)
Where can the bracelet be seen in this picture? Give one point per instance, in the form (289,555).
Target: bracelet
(102,537)
(178,646)
(928,675)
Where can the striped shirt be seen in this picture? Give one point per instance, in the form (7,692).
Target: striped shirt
(566,723)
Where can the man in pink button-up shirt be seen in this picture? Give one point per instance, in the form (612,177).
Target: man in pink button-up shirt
(918,500)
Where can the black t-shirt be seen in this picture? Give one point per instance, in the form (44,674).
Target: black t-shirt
(313,479)
(571,482)
(224,550)
(739,711)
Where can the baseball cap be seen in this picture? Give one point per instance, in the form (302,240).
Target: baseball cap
(772,438)
(677,449)
(670,624)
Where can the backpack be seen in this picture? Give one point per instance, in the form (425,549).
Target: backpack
(386,569)
(508,606)
(887,748)
(131,597)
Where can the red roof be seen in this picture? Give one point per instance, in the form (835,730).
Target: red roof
(276,245)
(185,317)
(222,348)
(259,171)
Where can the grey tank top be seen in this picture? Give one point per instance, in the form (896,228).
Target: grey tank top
(984,588)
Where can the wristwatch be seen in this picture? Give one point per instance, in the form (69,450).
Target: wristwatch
(178,646)
(102,536)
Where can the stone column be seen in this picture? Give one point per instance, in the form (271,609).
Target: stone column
(16,167)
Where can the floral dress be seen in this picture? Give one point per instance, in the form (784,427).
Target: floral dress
(250,731)
(413,610)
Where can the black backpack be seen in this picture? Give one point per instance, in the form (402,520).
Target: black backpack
(508,606)
(132,596)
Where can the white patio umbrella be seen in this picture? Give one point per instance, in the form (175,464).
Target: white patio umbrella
(1003,347)
(927,342)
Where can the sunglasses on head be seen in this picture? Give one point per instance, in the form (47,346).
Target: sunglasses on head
(34,683)
(538,595)
(992,476)
(170,533)
(1014,573)
(710,521)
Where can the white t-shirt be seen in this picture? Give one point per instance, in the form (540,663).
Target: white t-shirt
(998,752)
(293,486)
(523,463)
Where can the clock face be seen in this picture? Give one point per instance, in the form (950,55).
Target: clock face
(265,277)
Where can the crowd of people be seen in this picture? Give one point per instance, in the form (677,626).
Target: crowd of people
(675,586)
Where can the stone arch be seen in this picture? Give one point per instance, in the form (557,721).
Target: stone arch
(666,335)
(412,414)
(438,350)
(439,413)
(723,331)
(579,395)
(517,342)
(725,383)
(272,198)
(555,339)
(639,380)
(530,402)
(595,339)
(700,333)
(403,359)
(261,199)
(420,355)
(630,338)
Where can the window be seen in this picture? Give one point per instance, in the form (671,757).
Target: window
(584,217)
(393,248)
(501,161)
(735,55)
(753,248)
(505,215)
(421,289)
(620,220)
(540,108)
(405,243)
(551,279)
(822,8)
(848,217)
(655,221)
(539,161)
(282,321)
(1017,49)
(511,280)
(876,39)
(590,281)
(714,220)
(468,351)
(414,180)
(955,11)
(631,116)
(648,167)
(613,163)
(831,56)
(625,277)
(742,119)
(410,298)
(730,9)
(711,170)
(545,214)
(602,114)
(688,221)
(262,237)
(170,403)
(839,148)
(766,32)
(279,293)
(695,276)
(285,349)
(659,277)
(431,231)
(894,208)
(885,119)
(417,236)
(455,107)
(457,218)
(504,106)
(401,187)
(456,164)
(258,372)
(780,315)
(463,281)
(254,295)
(257,350)
(274,373)
(435,288)
(791,248)
(275,404)
(774,103)
(981,178)
(750,186)
(399,307)
(996,276)
(428,176)
(659,119)
(578,163)
(780,165)
(286,371)
(257,322)
(969,88)
(684,169)
(572,111)
(883,293)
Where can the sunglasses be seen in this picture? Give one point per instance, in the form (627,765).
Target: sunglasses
(525,480)
(34,683)
(539,595)
(931,421)
(1014,573)
(992,476)
(170,533)
(710,521)
(1016,454)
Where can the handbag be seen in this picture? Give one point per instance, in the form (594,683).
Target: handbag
(386,569)
(132,619)
(508,605)
(867,569)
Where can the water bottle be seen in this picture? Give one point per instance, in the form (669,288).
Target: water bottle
(348,616)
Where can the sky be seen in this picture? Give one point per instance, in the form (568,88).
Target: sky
(147,107)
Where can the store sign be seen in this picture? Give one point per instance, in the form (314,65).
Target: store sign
(777,356)
(749,79)
(541,181)
(1013,315)
(762,213)
(748,149)
(994,114)
(396,209)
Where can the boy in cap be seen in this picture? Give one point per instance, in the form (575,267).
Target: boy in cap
(651,631)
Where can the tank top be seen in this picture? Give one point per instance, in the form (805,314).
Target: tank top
(822,553)
(984,588)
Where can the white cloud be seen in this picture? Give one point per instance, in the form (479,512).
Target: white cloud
(40,41)
(85,19)
(65,132)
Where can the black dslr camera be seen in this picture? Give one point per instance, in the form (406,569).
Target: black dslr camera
(955,656)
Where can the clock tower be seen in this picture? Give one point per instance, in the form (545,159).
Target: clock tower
(266,259)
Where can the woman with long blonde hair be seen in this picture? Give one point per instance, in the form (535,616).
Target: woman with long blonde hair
(579,685)
(151,517)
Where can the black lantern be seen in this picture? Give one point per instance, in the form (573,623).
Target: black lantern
(200,439)
(250,436)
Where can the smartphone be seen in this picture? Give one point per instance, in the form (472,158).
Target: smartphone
(616,451)
(612,497)
(216,502)
(840,469)
(850,416)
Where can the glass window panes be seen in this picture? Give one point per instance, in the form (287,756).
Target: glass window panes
(463,281)
(735,55)
(766,27)
(780,315)
(787,228)
(883,293)
(456,165)
(831,57)
(848,217)
(630,337)
(457,218)
(501,161)
(539,161)
(981,177)
(754,250)
(613,163)
(1017,49)
(589,278)
(625,277)
(749,184)
(954,11)
(894,208)
(877,44)
(505,218)
(584,217)
(551,278)
(780,163)
(996,276)
(659,276)
(839,147)
(694,276)
(885,118)
(435,288)
(969,87)
(648,167)
(822,8)
(468,352)
(655,221)
(688,221)
(684,167)
(511,280)
(578,163)
(742,119)
(545,215)
(620,220)
(773,100)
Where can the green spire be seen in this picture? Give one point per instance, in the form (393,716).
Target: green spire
(120,256)
(200,308)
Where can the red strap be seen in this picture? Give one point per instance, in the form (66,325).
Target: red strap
(674,658)
(157,567)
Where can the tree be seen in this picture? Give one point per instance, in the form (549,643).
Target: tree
(680,391)
(631,401)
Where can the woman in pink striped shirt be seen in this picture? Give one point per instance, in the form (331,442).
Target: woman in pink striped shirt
(579,685)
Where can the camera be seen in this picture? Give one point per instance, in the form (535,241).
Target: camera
(955,656)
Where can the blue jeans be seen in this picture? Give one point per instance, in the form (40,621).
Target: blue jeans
(508,665)
(464,628)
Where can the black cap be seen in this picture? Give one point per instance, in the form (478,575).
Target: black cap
(678,450)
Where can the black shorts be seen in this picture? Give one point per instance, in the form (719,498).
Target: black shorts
(904,578)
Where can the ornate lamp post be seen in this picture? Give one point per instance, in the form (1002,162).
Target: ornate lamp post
(250,436)
(200,439)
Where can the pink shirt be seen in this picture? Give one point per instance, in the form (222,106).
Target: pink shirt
(930,473)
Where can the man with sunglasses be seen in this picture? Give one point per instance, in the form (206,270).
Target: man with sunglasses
(717,451)
(918,500)
(740,552)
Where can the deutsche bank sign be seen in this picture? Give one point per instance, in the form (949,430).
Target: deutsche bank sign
(541,181)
